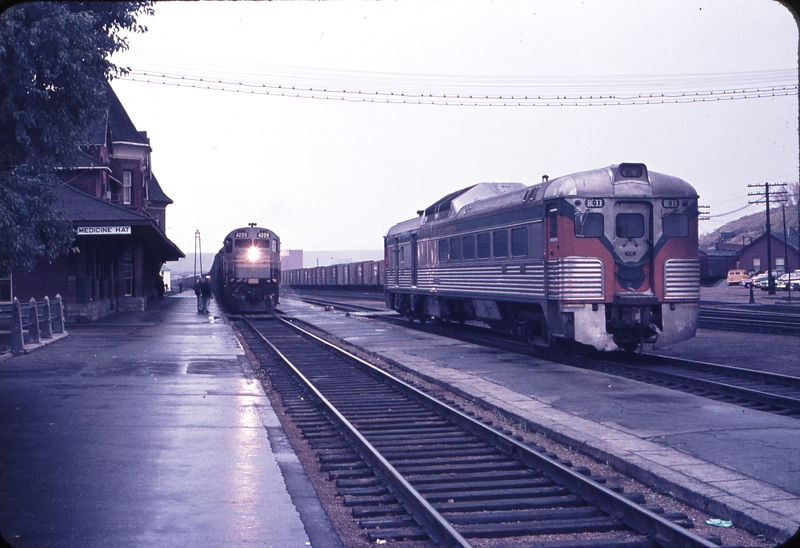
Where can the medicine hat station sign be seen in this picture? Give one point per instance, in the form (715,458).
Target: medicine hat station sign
(101,230)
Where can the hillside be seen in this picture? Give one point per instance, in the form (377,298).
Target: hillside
(749,227)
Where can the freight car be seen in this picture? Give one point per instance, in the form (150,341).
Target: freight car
(357,276)
(606,258)
(246,272)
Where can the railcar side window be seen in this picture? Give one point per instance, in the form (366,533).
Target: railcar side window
(455,249)
(519,242)
(500,243)
(442,251)
(242,242)
(422,256)
(676,225)
(589,225)
(630,225)
(484,247)
(469,247)
(402,255)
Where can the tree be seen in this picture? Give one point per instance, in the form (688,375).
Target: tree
(54,66)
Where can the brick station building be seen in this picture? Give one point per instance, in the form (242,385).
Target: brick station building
(118,210)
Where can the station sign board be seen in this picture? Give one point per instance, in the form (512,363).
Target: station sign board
(103,230)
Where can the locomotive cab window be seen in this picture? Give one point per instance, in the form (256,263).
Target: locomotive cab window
(261,243)
(519,242)
(589,225)
(500,243)
(630,225)
(484,247)
(243,242)
(228,245)
(675,225)
(468,248)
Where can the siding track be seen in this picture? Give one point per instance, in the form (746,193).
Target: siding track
(413,467)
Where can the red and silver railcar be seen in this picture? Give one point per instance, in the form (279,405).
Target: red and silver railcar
(607,258)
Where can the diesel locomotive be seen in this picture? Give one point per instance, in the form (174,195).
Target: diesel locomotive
(246,272)
(606,258)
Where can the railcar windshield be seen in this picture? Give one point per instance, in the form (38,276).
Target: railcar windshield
(676,225)
(630,225)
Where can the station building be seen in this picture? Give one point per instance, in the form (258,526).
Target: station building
(118,209)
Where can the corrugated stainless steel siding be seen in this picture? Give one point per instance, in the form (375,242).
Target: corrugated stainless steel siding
(485,279)
(682,279)
(575,279)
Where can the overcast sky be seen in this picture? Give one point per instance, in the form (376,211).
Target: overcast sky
(332,174)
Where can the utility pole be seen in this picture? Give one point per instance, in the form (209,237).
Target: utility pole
(765,194)
(198,252)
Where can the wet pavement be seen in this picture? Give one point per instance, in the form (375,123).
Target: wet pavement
(148,429)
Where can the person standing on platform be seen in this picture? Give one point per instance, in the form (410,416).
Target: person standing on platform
(197,291)
(205,291)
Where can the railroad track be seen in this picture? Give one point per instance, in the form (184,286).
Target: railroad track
(414,468)
(760,390)
(778,319)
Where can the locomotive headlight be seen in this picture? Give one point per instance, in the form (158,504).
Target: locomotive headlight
(252,254)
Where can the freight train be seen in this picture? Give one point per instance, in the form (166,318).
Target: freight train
(606,258)
(246,273)
(358,276)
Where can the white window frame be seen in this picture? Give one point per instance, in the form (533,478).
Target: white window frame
(127,184)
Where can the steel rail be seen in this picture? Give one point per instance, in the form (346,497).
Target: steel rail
(638,518)
(438,528)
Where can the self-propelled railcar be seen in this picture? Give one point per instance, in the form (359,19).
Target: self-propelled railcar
(247,270)
(606,258)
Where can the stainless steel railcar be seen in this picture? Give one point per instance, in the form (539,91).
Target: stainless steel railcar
(607,258)
(246,272)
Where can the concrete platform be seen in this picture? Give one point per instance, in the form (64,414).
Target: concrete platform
(148,429)
(733,462)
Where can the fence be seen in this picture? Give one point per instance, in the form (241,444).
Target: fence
(37,320)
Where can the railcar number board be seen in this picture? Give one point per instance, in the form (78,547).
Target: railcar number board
(595,202)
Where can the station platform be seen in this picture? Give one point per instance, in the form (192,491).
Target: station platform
(735,463)
(148,429)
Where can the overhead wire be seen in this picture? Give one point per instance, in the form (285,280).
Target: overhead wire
(461,90)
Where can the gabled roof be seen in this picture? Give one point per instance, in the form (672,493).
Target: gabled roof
(157,196)
(122,128)
(791,240)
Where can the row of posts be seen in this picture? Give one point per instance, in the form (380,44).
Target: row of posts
(43,319)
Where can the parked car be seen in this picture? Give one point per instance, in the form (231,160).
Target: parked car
(751,281)
(792,278)
(763,280)
(737,276)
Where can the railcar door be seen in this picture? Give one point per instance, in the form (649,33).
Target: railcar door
(396,251)
(633,242)
(414,260)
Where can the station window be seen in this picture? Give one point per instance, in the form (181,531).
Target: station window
(519,242)
(630,225)
(676,225)
(500,243)
(484,246)
(442,251)
(469,247)
(757,264)
(127,180)
(589,225)
(455,249)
